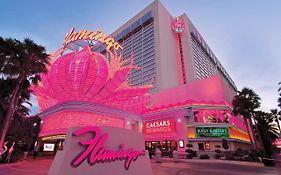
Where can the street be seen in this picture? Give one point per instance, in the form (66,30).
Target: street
(167,167)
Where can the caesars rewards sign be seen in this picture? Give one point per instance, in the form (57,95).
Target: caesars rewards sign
(159,126)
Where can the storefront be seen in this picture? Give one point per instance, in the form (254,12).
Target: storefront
(49,145)
(214,136)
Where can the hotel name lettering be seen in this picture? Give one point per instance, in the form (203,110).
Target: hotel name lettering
(92,35)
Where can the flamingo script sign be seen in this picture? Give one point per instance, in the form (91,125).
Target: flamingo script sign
(102,151)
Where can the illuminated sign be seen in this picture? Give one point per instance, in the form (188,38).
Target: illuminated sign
(277,143)
(181,143)
(178,25)
(96,152)
(207,146)
(92,35)
(56,137)
(159,126)
(48,147)
(219,132)
(102,150)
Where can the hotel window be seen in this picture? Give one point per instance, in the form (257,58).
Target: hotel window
(139,41)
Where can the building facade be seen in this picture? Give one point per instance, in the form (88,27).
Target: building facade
(178,93)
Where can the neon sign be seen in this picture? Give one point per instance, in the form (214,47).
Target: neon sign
(277,143)
(92,35)
(178,25)
(159,126)
(49,147)
(221,132)
(96,152)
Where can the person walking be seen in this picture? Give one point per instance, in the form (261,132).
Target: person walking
(10,152)
(35,152)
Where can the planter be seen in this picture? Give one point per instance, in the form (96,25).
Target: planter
(268,162)
(189,156)
(25,154)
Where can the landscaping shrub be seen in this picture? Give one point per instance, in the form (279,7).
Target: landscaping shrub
(189,156)
(230,157)
(217,156)
(194,153)
(218,151)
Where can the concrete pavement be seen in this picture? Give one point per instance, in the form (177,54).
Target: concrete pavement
(167,167)
(211,167)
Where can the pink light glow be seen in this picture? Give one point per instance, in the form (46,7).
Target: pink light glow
(88,76)
(60,122)
(209,91)
(219,116)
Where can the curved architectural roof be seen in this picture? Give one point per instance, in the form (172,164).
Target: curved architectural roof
(89,77)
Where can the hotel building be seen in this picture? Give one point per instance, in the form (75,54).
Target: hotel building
(189,103)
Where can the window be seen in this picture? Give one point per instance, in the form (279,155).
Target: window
(146,17)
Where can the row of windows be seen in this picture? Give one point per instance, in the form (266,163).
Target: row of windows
(204,67)
(140,45)
(143,48)
(137,24)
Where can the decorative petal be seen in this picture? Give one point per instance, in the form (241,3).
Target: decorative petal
(87,76)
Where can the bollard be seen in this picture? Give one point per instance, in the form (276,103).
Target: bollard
(175,156)
(25,154)
(158,155)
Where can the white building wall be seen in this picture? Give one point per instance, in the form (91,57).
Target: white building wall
(166,66)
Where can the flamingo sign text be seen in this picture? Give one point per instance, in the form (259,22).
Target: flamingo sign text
(102,150)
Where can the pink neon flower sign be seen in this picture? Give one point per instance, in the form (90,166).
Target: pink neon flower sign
(89,77)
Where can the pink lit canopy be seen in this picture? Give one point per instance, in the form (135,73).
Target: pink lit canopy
(89,77)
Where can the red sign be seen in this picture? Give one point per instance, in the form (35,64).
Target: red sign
(159,126)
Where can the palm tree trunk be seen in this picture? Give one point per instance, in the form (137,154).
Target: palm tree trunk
(11,110)
(248,130)
(258,133)
(277,121)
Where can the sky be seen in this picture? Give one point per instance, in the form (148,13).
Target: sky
(244,35)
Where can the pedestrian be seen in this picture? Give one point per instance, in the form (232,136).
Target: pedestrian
(35,152)
(10,152)
(150,153)
(25,152)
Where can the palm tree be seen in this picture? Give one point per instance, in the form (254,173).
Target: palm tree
(268,128)
(277,116)
(245,103)
(23,62)
(279,99)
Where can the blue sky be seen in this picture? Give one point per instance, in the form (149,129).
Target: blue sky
(244,35)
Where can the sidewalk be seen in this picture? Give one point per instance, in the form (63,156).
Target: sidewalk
(41,166)
(245,163)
